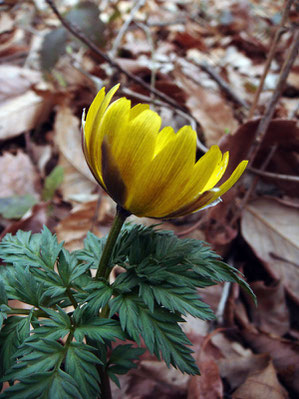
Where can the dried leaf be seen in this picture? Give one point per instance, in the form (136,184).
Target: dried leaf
(53,47)
(15,170)
(285,354)
(23,113)
(272,314)
(260,385)
(272,231)
(68,139)
(15,207)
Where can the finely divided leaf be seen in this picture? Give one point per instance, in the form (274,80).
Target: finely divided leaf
(81,364)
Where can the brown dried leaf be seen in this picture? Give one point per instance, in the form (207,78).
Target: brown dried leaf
(75,186)
(34,221)
(285,354)
(281,132)
(260,385)
(237,362)
(272,314)
(15,80)
(272,231)
(69,141)
(154,379)
(23,113)
(210,109)
(15,171)
(84,217)
(209,384)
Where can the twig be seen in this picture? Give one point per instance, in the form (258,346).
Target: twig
(266,119)
(252,186)
(193,122)
(223,84)
(149,37)
(270,56)
(222,302)
(138,4)
(79,35)
(278,176)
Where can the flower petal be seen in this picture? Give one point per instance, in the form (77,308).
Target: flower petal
(208,197)
(166,174)
(197,179)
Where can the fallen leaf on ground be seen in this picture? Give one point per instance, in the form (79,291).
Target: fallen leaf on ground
(272,314)
(210,109)
(69,140)
(15,80)
(209,384)
(272,230)
(285,354)
(23,113)
(84,217)
(260,385)
(15,171)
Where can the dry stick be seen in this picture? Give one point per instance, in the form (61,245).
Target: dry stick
(223,85)
(253,185)
(266,119)
(79,35)
(270,57)
(278,176)
(138,4)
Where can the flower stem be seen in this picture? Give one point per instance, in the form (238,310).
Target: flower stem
(121,215)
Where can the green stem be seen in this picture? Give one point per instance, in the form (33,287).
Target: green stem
(71,297)
(37,313)
(103,270)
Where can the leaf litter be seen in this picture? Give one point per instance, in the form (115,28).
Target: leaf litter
(47,78)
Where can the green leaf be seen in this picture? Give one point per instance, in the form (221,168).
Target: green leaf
(93,249)
(27,249)
(96,328)
(53,47)
(81,364)
(25,287)
(42,355)
(122,360)
(3,303)
(158,256)
(16,329)
(181,299)
(15,207)
(3,295)
(160,331)
(68,267)
(86,16)
(99,294)
(52,181)
(57,326)
(54,384)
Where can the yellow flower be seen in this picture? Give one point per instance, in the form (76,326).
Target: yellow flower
(148,171)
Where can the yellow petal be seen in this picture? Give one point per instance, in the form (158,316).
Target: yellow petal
(92,113)
(160,182)
(135,146)
(135,111)
(198,177)
(93,135)
(235,176)
(208,197)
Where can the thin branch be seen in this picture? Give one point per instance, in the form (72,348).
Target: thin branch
(253,185)
(270,56)
(266,119)
(138,4)
(223,84)
(79,35)
(278,176)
